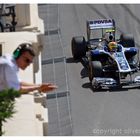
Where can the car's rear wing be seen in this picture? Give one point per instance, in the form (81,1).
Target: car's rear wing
(101,24)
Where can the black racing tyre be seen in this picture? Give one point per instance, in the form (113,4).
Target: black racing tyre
(78,47)
(127,40)
(95,70)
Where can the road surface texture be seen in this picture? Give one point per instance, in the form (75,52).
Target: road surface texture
(74,108)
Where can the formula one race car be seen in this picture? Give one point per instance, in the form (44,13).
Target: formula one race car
(110,62)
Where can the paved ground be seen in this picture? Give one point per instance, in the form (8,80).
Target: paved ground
(77,110)
(54,70)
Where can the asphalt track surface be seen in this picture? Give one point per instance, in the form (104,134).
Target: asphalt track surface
(106,112)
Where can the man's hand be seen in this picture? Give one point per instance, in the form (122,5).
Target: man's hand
(46,87)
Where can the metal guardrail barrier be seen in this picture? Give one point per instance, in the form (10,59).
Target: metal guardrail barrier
(7,10)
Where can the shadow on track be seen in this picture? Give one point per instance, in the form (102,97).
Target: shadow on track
(84,71)
(71,60)
(113,89)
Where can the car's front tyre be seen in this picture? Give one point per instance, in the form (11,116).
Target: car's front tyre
(78,47)
(95,70)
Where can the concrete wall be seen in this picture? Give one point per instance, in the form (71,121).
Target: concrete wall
(28,19)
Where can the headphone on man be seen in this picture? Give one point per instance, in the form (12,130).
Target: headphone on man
(20,49)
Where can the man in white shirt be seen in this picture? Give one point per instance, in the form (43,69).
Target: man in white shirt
(8,73)
(9,67)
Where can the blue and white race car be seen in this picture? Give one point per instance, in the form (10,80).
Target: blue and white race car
(111,62)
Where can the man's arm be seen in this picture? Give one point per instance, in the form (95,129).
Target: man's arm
(27,84)
(28,87)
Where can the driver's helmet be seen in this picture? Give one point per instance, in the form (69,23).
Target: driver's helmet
(112,46)
(108,36)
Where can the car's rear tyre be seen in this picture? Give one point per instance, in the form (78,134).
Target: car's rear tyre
(78,47)
(95,70)
(127,40)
